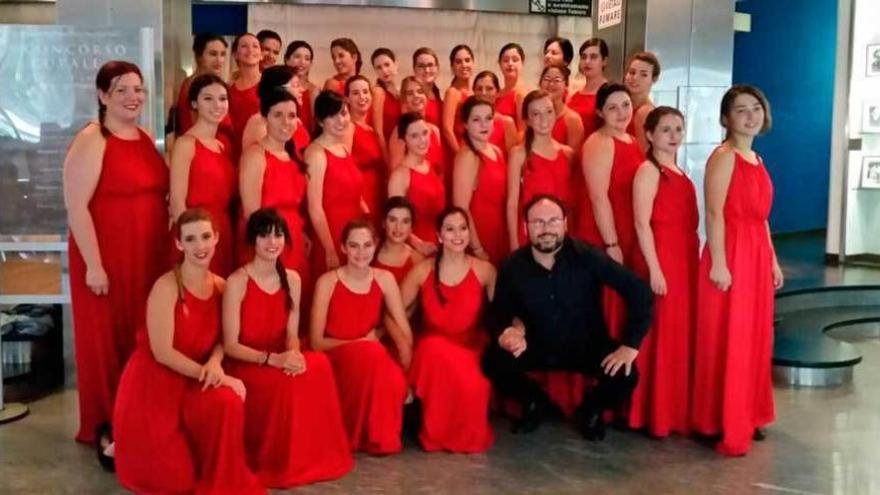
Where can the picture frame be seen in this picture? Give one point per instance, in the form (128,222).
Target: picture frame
(870,172)
(871,117)
(872,61)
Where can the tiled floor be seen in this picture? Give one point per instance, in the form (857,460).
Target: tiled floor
(824,442)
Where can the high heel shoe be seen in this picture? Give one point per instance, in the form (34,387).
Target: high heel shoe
(103,439)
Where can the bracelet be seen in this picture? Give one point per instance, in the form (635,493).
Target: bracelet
(611,245)
(264,361)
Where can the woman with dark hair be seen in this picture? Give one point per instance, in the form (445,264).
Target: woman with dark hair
(609,162)
(299,55)
(642,72)
(275,78)
(349,302)
(414,101)
(593,59)
(733,391)
(462,61)
(347,61)
(446,377)
(666,218)
(179,416)
(541,165)
(115,185)
(418,180)
(395,254)
(201,173)
(244,101)
(336,185)
(480,182)
(504,134)
(366,145)
(511,59)
(270,47)
(558,51)
(271,176)
(209,52)
(426,65)
(293,425)
(386,94)
(569,128)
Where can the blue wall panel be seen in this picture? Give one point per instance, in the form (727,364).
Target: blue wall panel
(789,54)
(223,19)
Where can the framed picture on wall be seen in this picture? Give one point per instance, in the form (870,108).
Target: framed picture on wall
(870,172)
(871,117)
(872,66)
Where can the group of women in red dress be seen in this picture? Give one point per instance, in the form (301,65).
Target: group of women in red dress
(309,228)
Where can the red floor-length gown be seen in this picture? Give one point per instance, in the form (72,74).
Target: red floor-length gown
(306,113)
(243,104)
(284,188)
(434,111)
(367,152)
(437,155)
(130,216)
(390,114)
(560,129)
(212,184)
(446,372)
(661,401)
(541,175)
(343,190)
(488,206)
(733,392)
(293,424)
(585,106)
(499,136)
(371,385)
(172,436)
(428,196)
(505,104)
(627,158)
(301,140)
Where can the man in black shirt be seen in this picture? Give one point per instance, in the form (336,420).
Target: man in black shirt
(547,315)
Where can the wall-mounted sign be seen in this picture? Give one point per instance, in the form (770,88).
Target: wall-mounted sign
(609,13)
(579,8)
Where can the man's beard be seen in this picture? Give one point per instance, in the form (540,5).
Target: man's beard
(545,246)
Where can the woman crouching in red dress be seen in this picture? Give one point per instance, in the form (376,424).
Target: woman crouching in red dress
(178,417)
(293,426)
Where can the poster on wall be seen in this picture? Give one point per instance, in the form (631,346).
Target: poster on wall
(871,117)
(578,8)
(609,13)
(872,66)
(871,172)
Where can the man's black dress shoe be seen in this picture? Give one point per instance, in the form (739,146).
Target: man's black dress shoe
(533,413)
(593,426)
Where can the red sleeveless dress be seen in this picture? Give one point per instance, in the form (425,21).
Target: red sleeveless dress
(505,104)
(434,111)
(343,190)
(338,86)
(301,140)
(390,114)
(306,114)
(284,188)
(367,152)
(733,392)
(371,385)
(437,155)
(489,206)
(171,436)
(130,216)
(560,129)
(498,136)
(243,103)
(585,106)
(446,372)
(293,424)
(458,125)
(399,272)
(661,401)
(541,175)
(428,196)
(212,185)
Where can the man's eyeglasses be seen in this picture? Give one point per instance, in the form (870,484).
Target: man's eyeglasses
(540,223)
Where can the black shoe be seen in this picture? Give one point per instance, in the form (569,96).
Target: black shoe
(593,426)
(533,412)
(412,419)
(103,439)
(760,435)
